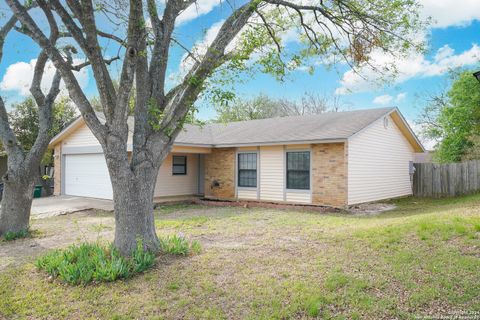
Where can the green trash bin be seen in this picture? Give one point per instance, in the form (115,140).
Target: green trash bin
(37,193)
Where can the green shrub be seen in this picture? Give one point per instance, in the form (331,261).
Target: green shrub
(179,245)
(142,259)
(94,262)
(14,235)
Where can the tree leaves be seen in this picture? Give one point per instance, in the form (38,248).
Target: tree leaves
(453,117)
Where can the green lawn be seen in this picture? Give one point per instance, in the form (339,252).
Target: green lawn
(420,259)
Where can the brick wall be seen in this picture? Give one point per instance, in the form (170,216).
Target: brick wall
(220,167)
(329,174)
(57,164)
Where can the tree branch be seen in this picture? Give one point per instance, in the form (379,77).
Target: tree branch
(44,103)
(186,93)
(63,67)
(80,66)
(7,135)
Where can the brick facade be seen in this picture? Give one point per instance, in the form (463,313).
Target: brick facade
(220,168)
(329,174)
(57,163)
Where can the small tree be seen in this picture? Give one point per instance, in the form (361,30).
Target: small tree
(24,120)
(349,29)
(262,107)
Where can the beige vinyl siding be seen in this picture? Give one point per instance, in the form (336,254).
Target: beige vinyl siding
(81,137)
(177,185)
(247,149)
(378,163)
(299,197)
(271,177)
(199,150)
(272,173)
(247,194)
(298,146)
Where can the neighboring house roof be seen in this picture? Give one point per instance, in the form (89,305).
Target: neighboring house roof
(325,127)
(423,157)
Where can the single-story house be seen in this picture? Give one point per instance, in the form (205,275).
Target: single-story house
(333,159)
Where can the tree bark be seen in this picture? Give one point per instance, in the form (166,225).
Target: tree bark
(16,203)
(133,205)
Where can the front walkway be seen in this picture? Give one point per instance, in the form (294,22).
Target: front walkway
(58,205)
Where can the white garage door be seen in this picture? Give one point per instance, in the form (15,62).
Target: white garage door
(86,175)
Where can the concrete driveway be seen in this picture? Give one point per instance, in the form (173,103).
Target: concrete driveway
(58,205)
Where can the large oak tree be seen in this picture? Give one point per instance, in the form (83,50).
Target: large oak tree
(253,35)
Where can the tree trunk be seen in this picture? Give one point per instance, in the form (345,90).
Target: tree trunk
(133,205)
(16,204)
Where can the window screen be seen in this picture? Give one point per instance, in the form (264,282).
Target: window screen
(247,170)
(298,170)
(179,165)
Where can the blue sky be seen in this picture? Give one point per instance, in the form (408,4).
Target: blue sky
(452,44)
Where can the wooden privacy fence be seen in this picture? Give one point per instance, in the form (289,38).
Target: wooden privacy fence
(446,180)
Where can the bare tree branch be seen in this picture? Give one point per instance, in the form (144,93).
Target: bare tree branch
(64,68)
(80,66)
(187,92)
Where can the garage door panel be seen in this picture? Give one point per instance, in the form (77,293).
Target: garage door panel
(86,175)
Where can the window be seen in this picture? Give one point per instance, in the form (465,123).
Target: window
(298,170)
(247,170)
(179,165)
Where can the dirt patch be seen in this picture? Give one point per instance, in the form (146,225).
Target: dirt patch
(268,205)
(369,209)
(57,232)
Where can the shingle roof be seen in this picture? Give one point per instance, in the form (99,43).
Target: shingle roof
(326,126)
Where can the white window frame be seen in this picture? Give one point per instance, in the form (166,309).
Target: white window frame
(236,169)
(287,150)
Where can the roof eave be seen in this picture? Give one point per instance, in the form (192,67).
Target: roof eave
(59,137)
(417,145)
(420,146)
(274,143)
(198,145)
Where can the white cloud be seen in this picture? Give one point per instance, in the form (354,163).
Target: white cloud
(444,12)
(383,100)
(400,97)
(18,77)
(415,65)
(447,13)
(388,99)
(199,49)
(199,8)
(443,53)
